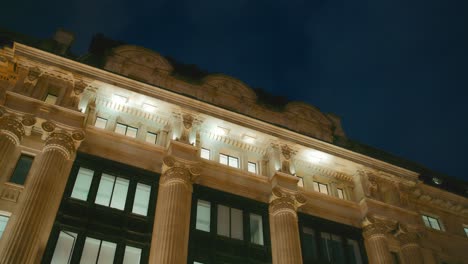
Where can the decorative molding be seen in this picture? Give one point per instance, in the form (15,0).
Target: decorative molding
(431,200)
(233,142)
(178,171)
(283,200)
(377,226)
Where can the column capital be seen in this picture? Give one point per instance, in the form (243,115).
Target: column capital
(283,200)
(407,235)
(12,127)
(375,226)
(64,142)
(176,170)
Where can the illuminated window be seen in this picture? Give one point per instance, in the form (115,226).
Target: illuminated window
(64,247)
(151,137)
(112,191)
(126,130)
(466,231)
(100,122)
(230,222)
(132,255)
(203,215)
(98,251)
(320,187)
(252,167)
(256,229)
(3,222)
(82,184)
(50,98)
(340,193)
(229,160)
(141,201)
(431,222)
(22,169)
(205,153)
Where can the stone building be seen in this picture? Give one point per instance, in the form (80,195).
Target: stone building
(118,157)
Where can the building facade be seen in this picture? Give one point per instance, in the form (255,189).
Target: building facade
(114,157)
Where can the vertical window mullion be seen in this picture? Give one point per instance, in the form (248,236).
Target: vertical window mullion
(112,193)
(99,251)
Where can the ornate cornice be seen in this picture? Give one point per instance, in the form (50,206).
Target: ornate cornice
(283,200)
(439,202)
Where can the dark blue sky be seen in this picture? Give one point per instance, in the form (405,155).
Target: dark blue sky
(396,71)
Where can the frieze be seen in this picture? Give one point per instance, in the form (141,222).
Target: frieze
(445,204)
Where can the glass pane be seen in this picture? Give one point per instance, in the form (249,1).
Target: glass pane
(252,167)
(106,255)
(132,132)
(256,229)
(203,215)
(51,99)
(120,129)
(90,251)
(3,223)
(310,245)
(426,221)
(22,169)
(151,137)
(466,231)
(132,255)
(316,186)
(223,159)
(337,252)
(325,245)
(340,193)
(323,188)
(105,189)
(434,223)
(205,153)
(82,183)
(142,196)
(100,122)
(223,220)
(64,248)
(120,194)
(237,227)
(233,162)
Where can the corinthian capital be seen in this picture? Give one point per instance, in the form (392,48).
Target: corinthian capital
(283,200)
(374,226)
(12,128)
(406,235)
(179,171)
(62,142)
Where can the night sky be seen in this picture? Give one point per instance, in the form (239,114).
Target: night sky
(396,71)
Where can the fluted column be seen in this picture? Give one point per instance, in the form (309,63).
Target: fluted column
(172,220)
(285,242)
(375,234)
(410,249)
(11,133)
(40,201)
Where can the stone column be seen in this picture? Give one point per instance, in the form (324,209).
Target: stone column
(41,199)
(285,242)
(375,235)
(410,249)
(11,133)
(172,220)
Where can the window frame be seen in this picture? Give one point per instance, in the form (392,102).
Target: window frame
(101,119)
(228,160)
(47,96)
(6,215)
(428,223)
(319,185)
(255,167)
(31,157)
(126,129)
(151,133)
(205,150)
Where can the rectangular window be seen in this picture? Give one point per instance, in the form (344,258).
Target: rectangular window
(205,153)
(252,167)
(98,251)
(256,229)
(100,122)
(230,222)
(3,222)
(431,222)
(22,169)
(132,255)
(112,191)
(64,248)
(50,98)
(151,137)
(320,187)
(340,193)
(203,215)
(310,245)
(466,231)
(354,253)
(229,160)
(332,248)
(82,184)
(126,130)
(141,201)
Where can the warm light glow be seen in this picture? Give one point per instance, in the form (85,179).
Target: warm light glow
(248,139)
(316,156)
(119,99)
(149,108)
(221,131)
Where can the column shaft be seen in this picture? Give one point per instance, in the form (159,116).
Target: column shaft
(411,253)
(377,250)
(286,246)
(11,133)
(40,200)
(172,221)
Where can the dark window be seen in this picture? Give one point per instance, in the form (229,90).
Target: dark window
(22,169)
(395,257)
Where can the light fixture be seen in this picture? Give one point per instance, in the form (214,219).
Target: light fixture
(149,107)
(221,131)
(120,99)
(437,181)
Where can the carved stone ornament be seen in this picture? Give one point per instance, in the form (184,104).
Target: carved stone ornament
(48,126)
(286,154)
(28,123)
(283,200)
(12,127)
(60,141)
(178,171)
(406,236)
(187,121)
(373,226)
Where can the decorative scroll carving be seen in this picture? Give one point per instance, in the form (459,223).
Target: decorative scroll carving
(374,226)
(12,127)
(28,123)
(62,142)
(282,200)
(47,128)
(178,171)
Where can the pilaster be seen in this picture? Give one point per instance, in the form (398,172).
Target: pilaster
(375,234)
